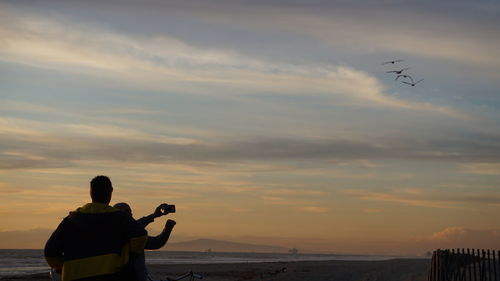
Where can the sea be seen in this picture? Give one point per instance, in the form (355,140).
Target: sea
(27,262)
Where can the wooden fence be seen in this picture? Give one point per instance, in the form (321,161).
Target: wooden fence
(465,265)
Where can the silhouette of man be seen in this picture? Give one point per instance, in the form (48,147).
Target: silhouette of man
(138,264)
(153,242)
(96,241)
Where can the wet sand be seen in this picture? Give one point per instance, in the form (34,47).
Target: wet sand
(391,270)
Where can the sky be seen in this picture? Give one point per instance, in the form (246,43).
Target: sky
(270,122)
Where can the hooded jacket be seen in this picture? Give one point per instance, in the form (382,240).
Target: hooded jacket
(94,243)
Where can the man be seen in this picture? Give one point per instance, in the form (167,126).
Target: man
(138,264)
(153,242)
(96,241)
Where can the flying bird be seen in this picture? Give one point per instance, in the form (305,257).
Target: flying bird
(392,62)
(397,71)
(404,76)
(413,84)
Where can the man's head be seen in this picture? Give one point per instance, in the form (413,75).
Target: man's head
(124,207)
(101,189)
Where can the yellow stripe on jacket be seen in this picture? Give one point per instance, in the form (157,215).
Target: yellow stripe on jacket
(137,244)
(103,264)
(94,266)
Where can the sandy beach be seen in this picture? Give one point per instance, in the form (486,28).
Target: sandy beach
(390,270)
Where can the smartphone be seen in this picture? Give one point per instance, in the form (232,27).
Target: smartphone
(169,209)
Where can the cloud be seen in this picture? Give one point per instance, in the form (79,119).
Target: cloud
(413,39)
(427,31)
(373,211)
(286,201)
(463,237)
(294,192)
(315,210)
(302,199)
(420,198)
(240,210)
(9,189)
(449,234)
(36,144)
(482,168)
(164,62)
(398,197)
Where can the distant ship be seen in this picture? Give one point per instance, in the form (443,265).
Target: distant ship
(293,251)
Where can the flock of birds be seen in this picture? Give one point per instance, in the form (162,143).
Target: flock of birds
(406,79)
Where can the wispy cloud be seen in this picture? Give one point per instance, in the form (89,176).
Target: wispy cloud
(421,198)
(286,201)
(8,189)
(166,63)
(482,168)
(316,210)
(294,192)
(300,199)
(464,237)
(450,233)
(374,27)
(36,144)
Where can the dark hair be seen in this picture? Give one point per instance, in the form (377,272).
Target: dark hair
(124,207)
(101,189)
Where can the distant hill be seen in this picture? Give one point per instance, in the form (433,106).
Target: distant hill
(201,245)
(25,239)
(36,238)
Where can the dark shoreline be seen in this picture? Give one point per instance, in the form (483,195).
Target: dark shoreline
(386,270)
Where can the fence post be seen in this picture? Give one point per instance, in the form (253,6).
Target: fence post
(438,267)
(490,270)
(434,265)
(464,265)
(475,264)
(470,260)
(482,266)
(497,264)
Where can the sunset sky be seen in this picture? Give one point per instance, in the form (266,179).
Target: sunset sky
(269,122)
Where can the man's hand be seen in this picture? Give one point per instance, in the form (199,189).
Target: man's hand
(160,210)
(169,225)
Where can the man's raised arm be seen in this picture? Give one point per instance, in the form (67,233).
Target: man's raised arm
(159,211)
(155,243)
